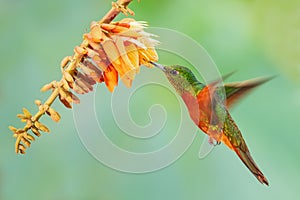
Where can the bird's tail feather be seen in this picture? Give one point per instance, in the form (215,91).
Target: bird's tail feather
(249,162)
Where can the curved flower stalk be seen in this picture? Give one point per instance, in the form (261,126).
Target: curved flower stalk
(109,52)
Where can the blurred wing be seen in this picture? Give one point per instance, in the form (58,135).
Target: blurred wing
(220,80)
(235,91)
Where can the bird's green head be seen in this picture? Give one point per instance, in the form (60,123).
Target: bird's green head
(182,78)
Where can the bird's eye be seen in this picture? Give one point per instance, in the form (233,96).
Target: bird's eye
(174,72)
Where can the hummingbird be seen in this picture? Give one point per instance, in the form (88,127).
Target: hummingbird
(208,107)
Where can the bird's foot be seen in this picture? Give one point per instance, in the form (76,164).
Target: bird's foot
(213,141)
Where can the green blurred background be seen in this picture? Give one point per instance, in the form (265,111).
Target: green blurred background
(257,38)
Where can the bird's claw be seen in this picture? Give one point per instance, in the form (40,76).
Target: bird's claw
(213,142)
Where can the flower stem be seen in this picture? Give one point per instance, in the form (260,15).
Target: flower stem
(21,134)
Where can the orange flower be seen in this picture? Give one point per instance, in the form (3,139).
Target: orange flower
(115,50)
(108,52)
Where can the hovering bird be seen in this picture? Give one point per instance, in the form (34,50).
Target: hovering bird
(208,107)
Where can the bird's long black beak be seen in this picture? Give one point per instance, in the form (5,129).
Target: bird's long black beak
(158,66)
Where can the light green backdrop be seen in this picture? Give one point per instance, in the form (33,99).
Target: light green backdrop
(255,38)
